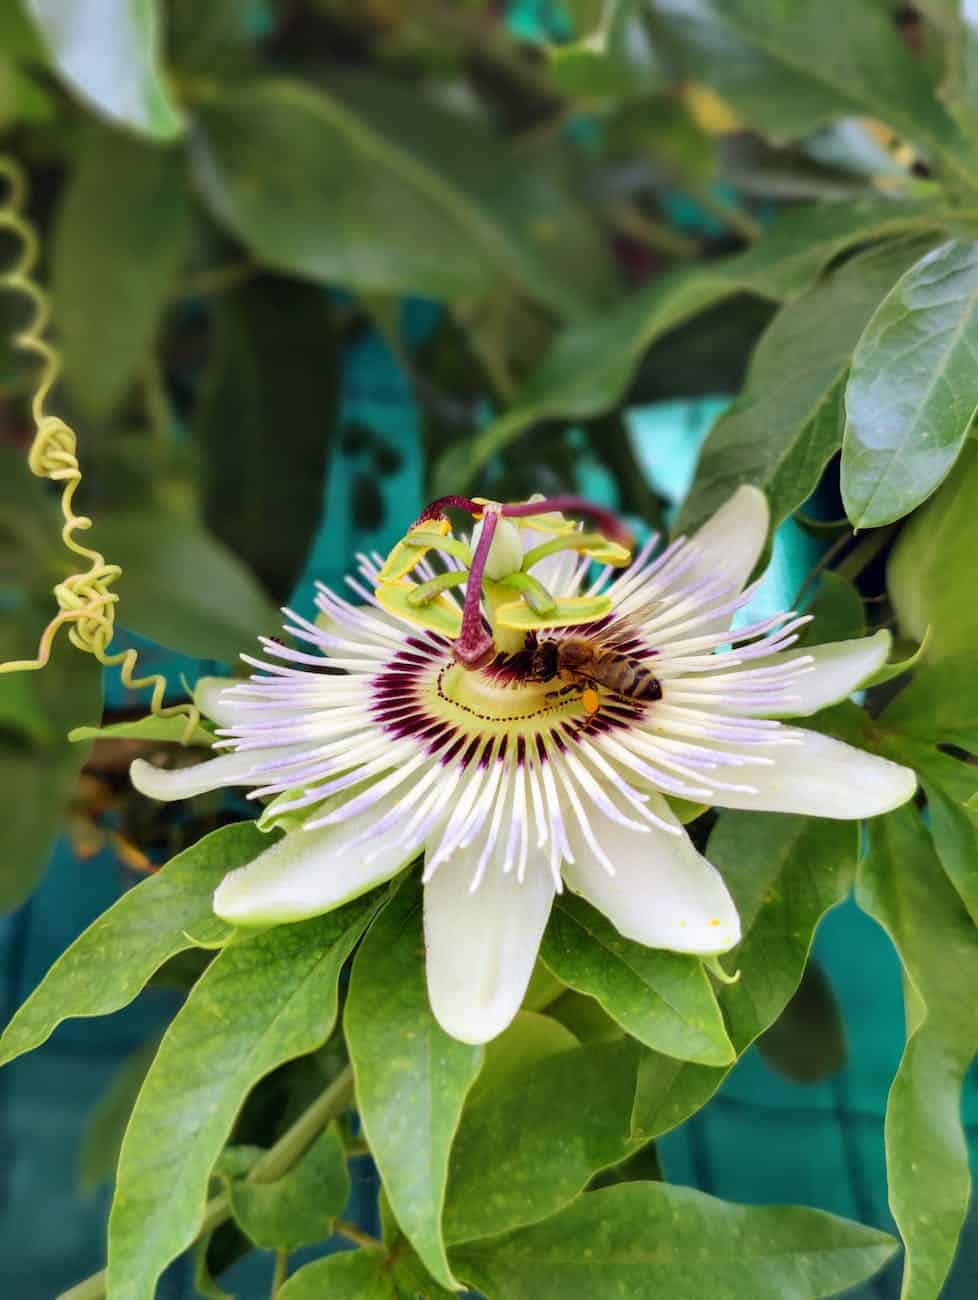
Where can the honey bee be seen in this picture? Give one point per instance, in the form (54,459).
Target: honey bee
(590,665)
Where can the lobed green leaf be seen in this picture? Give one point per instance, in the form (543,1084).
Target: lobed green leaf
(526,1148)
(372,188)
(113,959)
(788,421)
(789,67)
(663,999)
(300,1207)
(411,1077)
(590,365)
(649,1240)
(262,1002)
(902,886)
(930,574)
(353,1275)
(121,234)
(784,873)
(38,779)
(152,728)
(181,587)
(912,392)
(274,363)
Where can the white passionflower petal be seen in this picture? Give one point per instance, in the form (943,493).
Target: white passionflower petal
(210,697)
(817,776)
(825,675)
(481,944)
(545,765)
(730,543)
(167,784)
(309,872)
(663,893)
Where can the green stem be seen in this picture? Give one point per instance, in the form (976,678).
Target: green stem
(632,221)
(864,552)
(275,1162)
(741,222)
(281,1272)
(355,1234)
(215,280)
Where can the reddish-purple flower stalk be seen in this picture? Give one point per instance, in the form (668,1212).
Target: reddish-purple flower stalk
(607,522)
(475,647)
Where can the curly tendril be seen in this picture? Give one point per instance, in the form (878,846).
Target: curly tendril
(86,601)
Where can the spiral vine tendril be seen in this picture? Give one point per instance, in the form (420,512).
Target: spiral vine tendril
(86,601)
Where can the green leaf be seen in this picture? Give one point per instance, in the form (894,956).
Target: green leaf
(205,1286)
(784,873)
(664,999)
(787,423)
(212,40)
(298,1209)
(353,1275)
(662,129)
(260,1003)
(959,90)
(808,238)
(527,1148)
(181,587)
(788,69)
(120,238)
(837,612)
(169,730)
(112,960)
(807,1042)
(38,780)
(930,575)
(273,365)
(611,59)
(412,1281)
(411,1077)
(529,1039)
(590,365)
(901,884)
(585,1018)
(939,708)
(106,1124)
(109,53)
(912,393)
(649,1240)
(373,189)
(21,712)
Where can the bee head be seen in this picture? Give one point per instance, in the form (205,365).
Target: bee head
(545,660)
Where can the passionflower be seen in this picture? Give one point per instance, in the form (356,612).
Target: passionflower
(525,726)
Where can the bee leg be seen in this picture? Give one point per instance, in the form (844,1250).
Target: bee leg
(563,690)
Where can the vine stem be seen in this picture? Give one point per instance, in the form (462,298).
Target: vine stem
(268,1168)
(355,1234)
(281,1272)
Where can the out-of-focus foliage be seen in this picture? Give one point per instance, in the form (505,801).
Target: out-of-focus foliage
(609,202)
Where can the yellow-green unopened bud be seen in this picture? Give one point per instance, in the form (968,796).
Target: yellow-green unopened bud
(505,553)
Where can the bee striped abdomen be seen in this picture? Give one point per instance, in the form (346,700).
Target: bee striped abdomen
(639,683)
(646,686)
(626,677)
